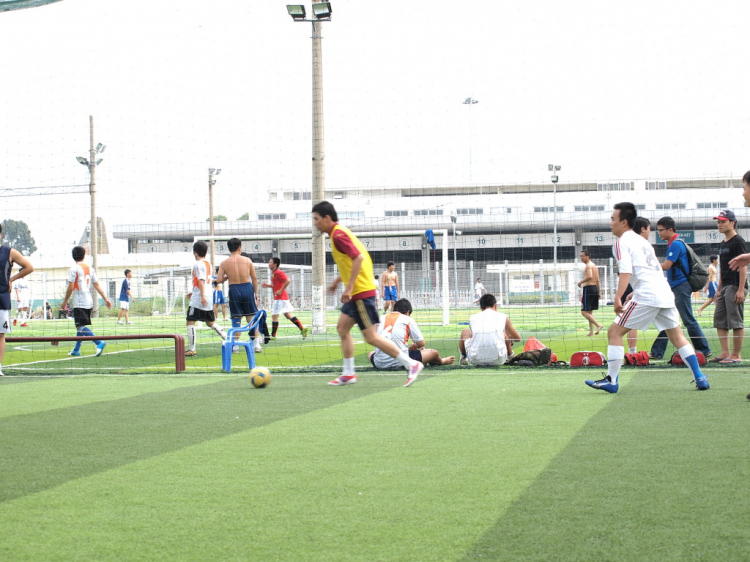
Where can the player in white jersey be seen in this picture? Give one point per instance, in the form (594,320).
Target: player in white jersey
(23,307)
(81,278)
(201,298)
(399,327)
(652,300)
(489,340)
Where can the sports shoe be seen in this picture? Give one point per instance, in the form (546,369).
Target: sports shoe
(414,373)
(343,379)
(190,353)
(119,322)
(74,353)
(701,383)
(15,321)
(2,374)
(257,347)
(24,325)
(305,331)
(128,322)
(604,384)
(236,349)
(464,361)
(100,349)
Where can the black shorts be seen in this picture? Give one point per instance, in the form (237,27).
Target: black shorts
(200,315)
(242,300)
(82,316)
(416,355)
(364,312)
(590,298)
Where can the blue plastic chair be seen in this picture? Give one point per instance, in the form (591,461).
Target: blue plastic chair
(226,347)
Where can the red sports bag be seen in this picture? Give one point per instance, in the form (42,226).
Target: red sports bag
(587,359)
(678,362)
(639,359)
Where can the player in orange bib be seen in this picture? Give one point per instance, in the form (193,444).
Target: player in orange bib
(359,296)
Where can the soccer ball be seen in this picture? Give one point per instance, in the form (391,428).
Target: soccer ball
(260,377)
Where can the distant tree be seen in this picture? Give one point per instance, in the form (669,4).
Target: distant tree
(219,218)
(245,217)
(16,234)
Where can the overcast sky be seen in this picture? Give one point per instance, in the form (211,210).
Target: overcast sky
(627,91)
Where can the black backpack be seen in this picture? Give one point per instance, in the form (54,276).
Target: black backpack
(697,276)
(532,358)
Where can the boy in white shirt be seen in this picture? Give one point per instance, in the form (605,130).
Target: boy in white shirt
(489,341)
(81,278)
(652,300)
(201,298)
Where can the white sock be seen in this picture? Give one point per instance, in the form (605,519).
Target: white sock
(348,366)
(405,360)
(632,350)
(191,337)
(615,355)
(686,351)
(219,330)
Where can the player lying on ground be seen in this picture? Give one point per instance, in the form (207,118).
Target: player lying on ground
(399,327)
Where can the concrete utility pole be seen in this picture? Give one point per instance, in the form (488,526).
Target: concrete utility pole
(91,164)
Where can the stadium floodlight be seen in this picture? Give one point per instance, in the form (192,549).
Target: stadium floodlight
(557,168)
(550,167)
(103,146)
(297,11)
(82,160)
(99,147)
(554,179)
(211,171)
(218,171)
(99,161)
(322,10)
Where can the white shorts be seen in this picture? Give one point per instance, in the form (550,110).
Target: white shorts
(641,316)
(281,307)
(486,357)
(125,305)
(24,303)
(5,323)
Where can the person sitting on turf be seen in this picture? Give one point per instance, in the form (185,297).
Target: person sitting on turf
(398,326)
(489,340)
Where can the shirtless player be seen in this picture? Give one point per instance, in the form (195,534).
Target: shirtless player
(243,300)
(590,296)
(390,287)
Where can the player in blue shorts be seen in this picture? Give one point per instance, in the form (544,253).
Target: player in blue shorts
(219,297)
(712,284)
(390,287)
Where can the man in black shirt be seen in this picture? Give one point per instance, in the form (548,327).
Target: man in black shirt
(730,296)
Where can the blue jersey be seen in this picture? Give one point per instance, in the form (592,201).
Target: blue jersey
(5,267)
(124,290)
(677,254)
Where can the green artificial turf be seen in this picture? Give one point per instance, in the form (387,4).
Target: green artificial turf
(464,465)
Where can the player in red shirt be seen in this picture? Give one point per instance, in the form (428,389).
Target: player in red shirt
(281,305)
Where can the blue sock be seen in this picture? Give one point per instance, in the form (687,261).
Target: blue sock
(85,331)
(688,356)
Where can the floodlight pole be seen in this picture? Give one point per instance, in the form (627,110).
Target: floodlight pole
(318,183)
(454,218)
(318,160)
(555,169)
(93,231)
(470,102)
(211,182)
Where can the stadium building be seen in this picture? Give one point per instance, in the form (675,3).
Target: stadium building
(489,227)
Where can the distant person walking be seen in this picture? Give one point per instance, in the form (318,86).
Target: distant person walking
(81,278)
(712,285)
(8,257)
(390,287)
(590,295)
(479,290)
(125,298)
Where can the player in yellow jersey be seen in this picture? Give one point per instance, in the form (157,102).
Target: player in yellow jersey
(359,296)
